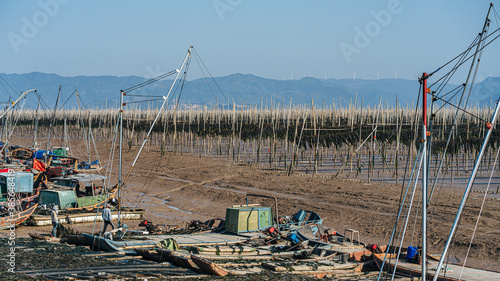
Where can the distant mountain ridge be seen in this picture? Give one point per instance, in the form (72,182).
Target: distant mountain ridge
(103,91)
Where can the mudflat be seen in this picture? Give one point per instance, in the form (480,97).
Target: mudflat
(176,188)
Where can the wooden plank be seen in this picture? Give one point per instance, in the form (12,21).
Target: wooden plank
(274,267)
(237,257)
(125,258)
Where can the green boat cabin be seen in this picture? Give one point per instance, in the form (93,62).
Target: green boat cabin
(248,218)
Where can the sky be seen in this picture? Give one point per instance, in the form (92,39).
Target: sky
(272,39)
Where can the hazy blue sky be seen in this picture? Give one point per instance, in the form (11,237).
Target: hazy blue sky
(264,38)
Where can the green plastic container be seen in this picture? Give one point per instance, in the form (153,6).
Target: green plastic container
(248,218)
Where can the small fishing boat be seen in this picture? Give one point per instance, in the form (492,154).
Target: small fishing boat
(22,153)
(83,217)
(150,241)
(27,189)
(77,192)
(17,218)
(74,164)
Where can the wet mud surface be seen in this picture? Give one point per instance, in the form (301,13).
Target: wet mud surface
(175,189)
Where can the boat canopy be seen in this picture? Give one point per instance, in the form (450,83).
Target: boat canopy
(63,198)
(40,154)
(248,218)
(23,181)
(81,178)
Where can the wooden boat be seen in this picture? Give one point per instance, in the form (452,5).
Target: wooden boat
(208,266)
(99,243)
(25,198)
(17,218)
(225,250)
(30,197)
(39,220)
(305,268)
(67,193)
(452,272)
(150,241)
(74,163)
(22,153)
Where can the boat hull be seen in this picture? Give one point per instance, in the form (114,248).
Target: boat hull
(453,271)
(18,218)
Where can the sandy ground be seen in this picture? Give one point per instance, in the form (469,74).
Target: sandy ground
(175,189)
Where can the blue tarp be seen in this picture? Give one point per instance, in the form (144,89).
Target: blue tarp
(411,252)
(40,153)
(86,165)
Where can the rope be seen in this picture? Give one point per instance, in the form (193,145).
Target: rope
(144,100)
(14,125)
(148,96)
(145,186)
(188,63)
(453,96)
(416,217)
(461,54)
(462,60)
(480,212)
(404,191)
(69,98)
(408,213)
(496,16)
(108,168)
(459,109)
(197,56)
(7,90)
(355,152)
(150,81)
(208,83)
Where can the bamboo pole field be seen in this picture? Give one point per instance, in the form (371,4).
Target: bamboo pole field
(354,141)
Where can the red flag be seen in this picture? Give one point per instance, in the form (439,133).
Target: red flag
(38,165)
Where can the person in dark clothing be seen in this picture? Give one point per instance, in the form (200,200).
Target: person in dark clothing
(106,217)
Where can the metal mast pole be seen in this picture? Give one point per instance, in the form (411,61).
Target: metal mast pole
(87,144)
(16,102)
(453,126)
(22,96)
(165,100)
(425,177)
(120,158)
(476,165)
(53,118)
(468,188)
(35,144)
